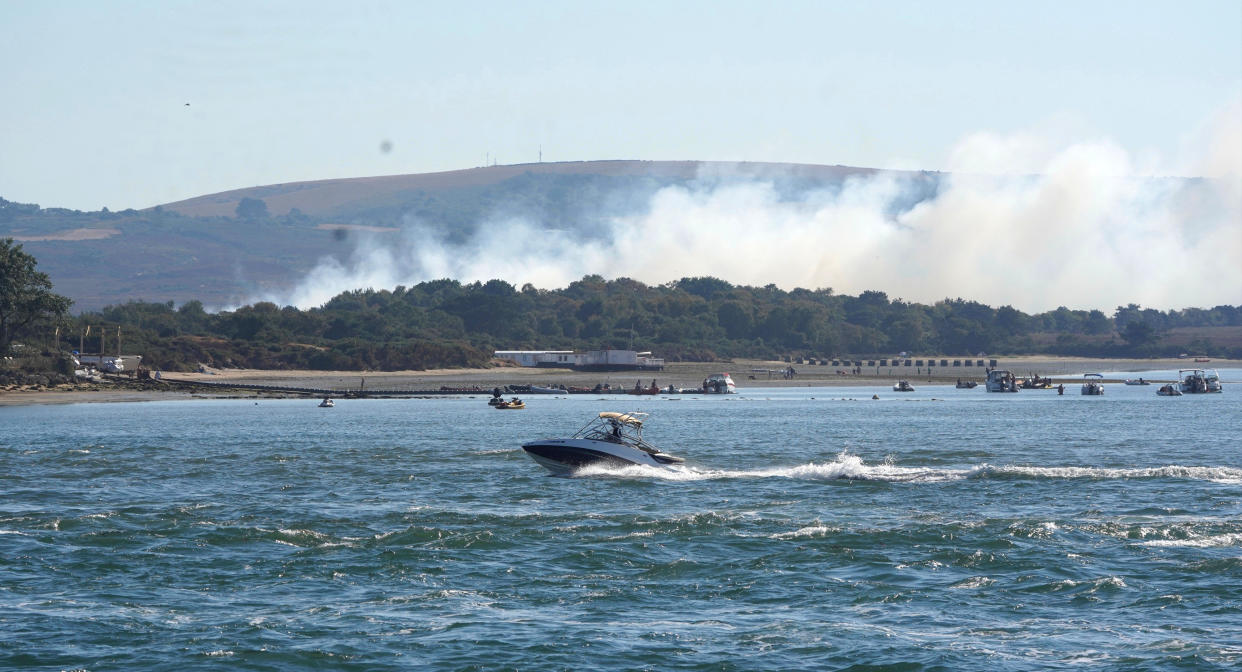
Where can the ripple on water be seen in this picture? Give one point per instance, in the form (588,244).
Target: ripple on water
(801,534)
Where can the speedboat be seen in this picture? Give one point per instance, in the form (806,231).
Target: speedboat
(1093,384)
(1199,381)
(903,386)
(719,383)
(612,440)
(1169,390)
(327,403)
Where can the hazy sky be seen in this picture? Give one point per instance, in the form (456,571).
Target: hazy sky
(95,93)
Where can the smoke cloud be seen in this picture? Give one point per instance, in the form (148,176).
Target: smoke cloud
(1014,221)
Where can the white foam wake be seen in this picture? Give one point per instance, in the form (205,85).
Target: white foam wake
(846,467)
(1212,541)
(1215,474)
(852,468)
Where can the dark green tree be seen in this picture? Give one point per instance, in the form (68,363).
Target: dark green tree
(26,297)
(1138,333)
(251,208)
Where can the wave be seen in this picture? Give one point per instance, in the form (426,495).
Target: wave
(852,468)
(846,467)
(1208,541)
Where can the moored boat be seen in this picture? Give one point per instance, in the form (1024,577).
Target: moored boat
(513,404)
(1169,390)
(1035,382)
(903,386)
(1199,381)
(639,389)
(999,380)
(966,384)
(719,383)
(1093,384)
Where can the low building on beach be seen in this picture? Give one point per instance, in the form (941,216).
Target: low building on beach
(592,360)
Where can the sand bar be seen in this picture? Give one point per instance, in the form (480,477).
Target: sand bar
(754,373)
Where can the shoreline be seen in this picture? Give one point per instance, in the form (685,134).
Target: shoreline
(746,373)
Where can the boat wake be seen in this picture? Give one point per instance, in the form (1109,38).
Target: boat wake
(849,467)
(1214,474)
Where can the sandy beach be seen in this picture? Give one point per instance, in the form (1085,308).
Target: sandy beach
(754,373)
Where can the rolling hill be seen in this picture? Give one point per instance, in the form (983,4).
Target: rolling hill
(201,249)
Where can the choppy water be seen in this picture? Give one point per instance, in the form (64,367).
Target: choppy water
(811,529)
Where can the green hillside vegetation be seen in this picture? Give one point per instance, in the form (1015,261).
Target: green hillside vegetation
(445,323)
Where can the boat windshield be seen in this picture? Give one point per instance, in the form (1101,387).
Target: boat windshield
(624,428)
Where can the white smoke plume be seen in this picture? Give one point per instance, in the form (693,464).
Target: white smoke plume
(1014,222)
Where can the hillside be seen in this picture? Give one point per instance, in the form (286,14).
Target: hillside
(200,249)
(349,197)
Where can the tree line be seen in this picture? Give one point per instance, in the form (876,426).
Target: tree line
(447,323)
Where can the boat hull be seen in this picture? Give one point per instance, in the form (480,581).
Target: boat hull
(563,457)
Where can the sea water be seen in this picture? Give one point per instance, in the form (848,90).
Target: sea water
(810,529)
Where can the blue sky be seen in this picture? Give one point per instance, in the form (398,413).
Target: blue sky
(95,92)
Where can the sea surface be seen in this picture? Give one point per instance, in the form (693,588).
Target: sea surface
(810,529)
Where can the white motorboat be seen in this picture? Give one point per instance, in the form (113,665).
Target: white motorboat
(1000,380)
(719,383)
(1093,384)
(611,440)
(1199,381)
(327,403)
(1137,381)
(902,386)
(1169,390)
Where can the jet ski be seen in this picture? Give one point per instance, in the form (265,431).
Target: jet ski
(611,439)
